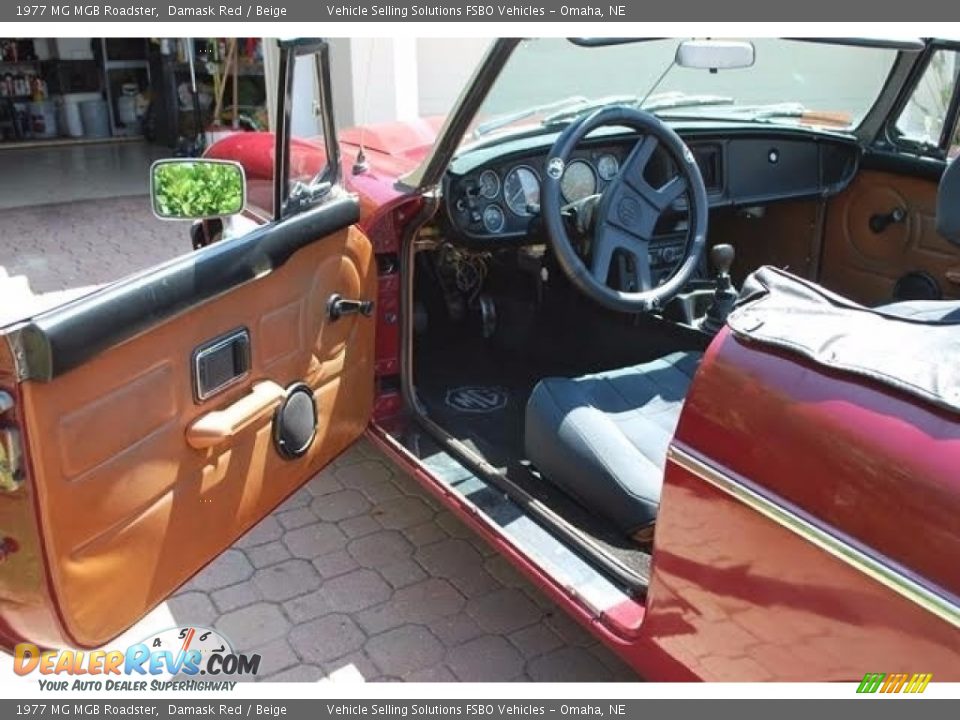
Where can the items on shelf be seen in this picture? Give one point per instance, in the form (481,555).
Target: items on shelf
(49,91)
(23,84)
(14,50)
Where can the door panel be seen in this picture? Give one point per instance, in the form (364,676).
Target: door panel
(864,265)
(127,509)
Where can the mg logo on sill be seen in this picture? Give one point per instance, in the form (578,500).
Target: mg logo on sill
(477,399)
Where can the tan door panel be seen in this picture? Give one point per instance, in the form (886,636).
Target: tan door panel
(864,265)
(128,509)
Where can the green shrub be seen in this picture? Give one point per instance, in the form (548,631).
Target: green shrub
(193,189)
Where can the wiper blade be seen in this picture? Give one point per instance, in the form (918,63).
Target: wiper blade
(503,120)
(756,112)
(568,114)
(771,113)
(670,100)
(654,103)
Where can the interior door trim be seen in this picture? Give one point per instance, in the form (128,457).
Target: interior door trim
(899,163)
(883,570)
(65,337)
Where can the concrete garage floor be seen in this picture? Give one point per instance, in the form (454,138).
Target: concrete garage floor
(64,173)
(360,575)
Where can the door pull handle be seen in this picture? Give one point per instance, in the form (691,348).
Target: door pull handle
(338,306)
(221,426)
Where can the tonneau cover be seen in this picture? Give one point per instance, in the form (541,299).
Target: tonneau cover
(919,357)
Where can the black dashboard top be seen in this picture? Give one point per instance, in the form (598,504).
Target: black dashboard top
(492,192)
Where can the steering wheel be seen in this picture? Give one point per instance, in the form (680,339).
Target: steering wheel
(628,212)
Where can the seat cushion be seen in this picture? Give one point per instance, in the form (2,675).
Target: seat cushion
(603,438)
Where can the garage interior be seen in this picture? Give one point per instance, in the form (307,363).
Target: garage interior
(81,120)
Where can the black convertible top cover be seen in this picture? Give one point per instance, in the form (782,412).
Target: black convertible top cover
(919,357)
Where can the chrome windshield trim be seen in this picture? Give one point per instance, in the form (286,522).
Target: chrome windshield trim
(883,570)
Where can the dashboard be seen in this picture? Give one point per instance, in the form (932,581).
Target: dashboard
(492,194)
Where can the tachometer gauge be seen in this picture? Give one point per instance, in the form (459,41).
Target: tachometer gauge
(607,167)
(493,219)
(578,181)
(489,184)
(521,188)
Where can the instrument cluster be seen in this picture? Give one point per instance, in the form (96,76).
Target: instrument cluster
(500,200)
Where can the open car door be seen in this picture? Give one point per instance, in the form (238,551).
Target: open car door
(159,418)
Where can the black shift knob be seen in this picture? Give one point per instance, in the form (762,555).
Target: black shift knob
(722,258)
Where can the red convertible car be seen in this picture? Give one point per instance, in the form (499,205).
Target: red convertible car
(672,324)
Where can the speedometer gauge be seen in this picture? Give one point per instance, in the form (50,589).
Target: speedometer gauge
(489,184)
(607,167)
(493,219)
(578,181)
(521,189)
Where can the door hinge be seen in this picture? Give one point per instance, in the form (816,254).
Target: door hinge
(14,339)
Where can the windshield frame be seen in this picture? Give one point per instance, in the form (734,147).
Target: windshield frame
(431,170)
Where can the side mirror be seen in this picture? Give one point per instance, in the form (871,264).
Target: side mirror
(715,55)
(197,188)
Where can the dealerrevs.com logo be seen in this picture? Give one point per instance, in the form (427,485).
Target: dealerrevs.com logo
(186,658)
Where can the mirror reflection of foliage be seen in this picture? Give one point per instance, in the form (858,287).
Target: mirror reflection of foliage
(191,189)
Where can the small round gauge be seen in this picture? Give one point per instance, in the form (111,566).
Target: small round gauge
(493,219)
(521,188)
(489,184)
(607,167)
(578,181)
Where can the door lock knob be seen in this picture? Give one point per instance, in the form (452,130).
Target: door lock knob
(880,221)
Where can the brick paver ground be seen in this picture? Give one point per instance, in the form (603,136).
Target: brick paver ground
(68,245)
(361,575)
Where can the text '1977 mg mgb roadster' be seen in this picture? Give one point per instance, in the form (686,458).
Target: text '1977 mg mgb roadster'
(672,324)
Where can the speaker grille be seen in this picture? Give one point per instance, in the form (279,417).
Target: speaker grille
(295,423)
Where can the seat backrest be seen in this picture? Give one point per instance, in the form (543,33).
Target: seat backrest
(948,203)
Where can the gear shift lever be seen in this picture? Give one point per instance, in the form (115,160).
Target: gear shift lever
(724,294)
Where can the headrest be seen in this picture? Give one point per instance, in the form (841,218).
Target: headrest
(948,203)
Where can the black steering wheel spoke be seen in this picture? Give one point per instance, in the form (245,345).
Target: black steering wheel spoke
(664,196)
(638,270)
(618,251)
(619,274)
(634,171)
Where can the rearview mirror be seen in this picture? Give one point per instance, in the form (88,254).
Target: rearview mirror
(715,54)
(196,189)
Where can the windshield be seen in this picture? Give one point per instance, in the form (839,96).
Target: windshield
(553,80)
